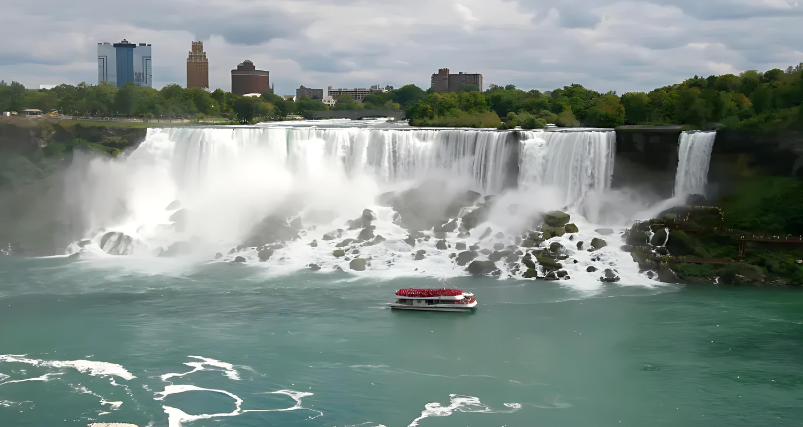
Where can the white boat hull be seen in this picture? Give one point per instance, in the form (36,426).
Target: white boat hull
(430,308)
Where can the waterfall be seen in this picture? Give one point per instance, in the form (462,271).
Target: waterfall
(694,156)
(577,163)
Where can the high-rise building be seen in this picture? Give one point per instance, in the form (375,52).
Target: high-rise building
(247,79)
(125,62)
(442,80)
(197,67)
(309,93)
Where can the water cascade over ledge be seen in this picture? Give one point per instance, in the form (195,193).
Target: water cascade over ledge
(694,156)
(200,191)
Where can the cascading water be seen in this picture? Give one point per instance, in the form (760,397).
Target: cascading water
(579,164)
(694,156)
(199,191)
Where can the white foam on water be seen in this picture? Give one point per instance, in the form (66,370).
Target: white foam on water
(45,378)
(228,368)
(177,417)
(89,367)
(4,376)
(461,404)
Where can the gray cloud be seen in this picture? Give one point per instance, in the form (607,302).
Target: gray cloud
(603,44)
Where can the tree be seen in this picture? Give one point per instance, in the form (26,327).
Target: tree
(607,112)
(637,107)
(567,119)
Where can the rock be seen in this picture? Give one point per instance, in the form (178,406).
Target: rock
(742,274)
(551,275)
(460,246)
(666,275)
(116,243)
(476,217)
(296,224)
(474,247)
(332,235)
(419,255)
(527,243)
(598,243)
(680,244)
(355,251)
(314,244)
(636,238)
(366,233)
(363,221)
(499,236)
(579,246)
(562,273)
(485,234)
(264,254)
(441,244)
(464,235)
(269,230)
(410,240)
(499,246)
(604,231)
(546,235)
(555,247)
(465,257)
(552,231)
(549,263)
(530,274)
(651,274)
(571,237)
(357,264)
(528,261)
(511,258)
(486,251)
(626,248)
(339,253)
(218,255)
(496,256)
(659,238)
(609,276)
(377,240)
(556,218)
(571,228)
(239,259)
(314,267)
(175,204)
(345,243)
(397,219)
(177,249)
(662,251)
(591,269)
(452,255)
(482,268)
(446,228)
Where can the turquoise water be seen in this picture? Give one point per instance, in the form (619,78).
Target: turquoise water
(533,354)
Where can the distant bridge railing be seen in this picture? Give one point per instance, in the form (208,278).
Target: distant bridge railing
(358,114)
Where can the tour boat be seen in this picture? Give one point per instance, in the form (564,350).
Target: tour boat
(434,300)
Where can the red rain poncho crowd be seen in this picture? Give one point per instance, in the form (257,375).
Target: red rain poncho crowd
(428,293)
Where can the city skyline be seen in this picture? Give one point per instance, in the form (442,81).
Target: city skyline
(605,45)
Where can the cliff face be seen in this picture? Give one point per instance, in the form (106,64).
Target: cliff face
(34,154)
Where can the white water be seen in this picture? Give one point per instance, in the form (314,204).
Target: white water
(229,179)
(694,156)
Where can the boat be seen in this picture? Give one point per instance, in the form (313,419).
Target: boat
(444,299)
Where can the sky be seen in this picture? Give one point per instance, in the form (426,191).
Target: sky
(534,44)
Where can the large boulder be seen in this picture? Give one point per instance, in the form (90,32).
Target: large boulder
(571,228)
(426,206)
(419,255)
(446,228)
(666,275)
(598,243)
(465,257)
(363,221)
(556,218)
(680,244)
(441,244)
(117,243)
(549,264)
(659,237)
(346,242)
(270,230)
(604,231)
(476,217)
(742,274)
(482,268)
(339,253)
(609,276)
(357,264)
(366,233)
(332,235)
(265,254)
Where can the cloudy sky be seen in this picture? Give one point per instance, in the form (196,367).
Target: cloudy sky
(601,44)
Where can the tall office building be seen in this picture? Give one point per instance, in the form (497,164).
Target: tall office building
(197,67)
(442,80)
(247,79)
(125,62)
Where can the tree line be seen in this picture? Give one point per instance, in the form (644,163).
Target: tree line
(750,101)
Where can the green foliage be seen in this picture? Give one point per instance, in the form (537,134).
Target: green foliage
(695,271)
(768,203)
(461,119)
